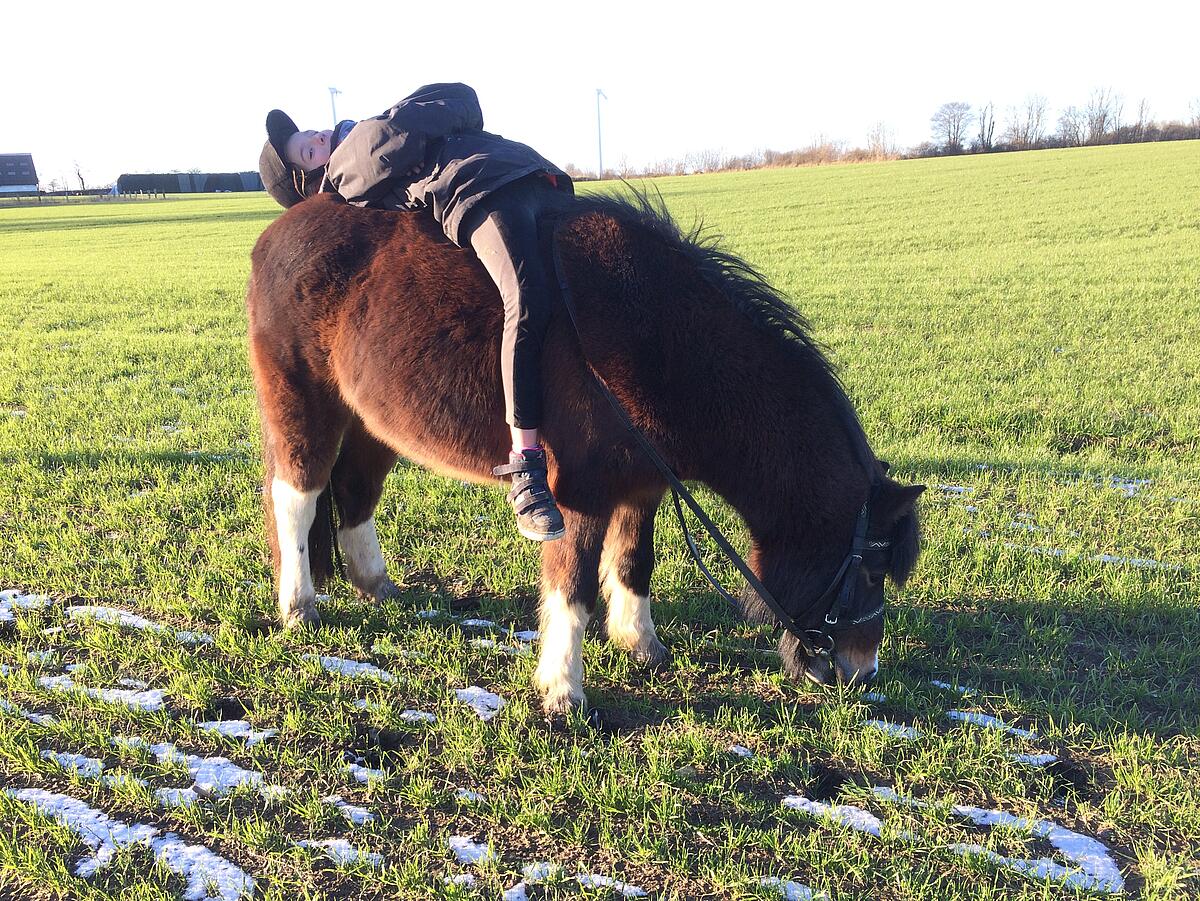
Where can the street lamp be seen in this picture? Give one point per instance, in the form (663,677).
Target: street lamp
(599,142)
(333,92)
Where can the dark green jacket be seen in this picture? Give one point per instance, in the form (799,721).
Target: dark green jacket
(437,130)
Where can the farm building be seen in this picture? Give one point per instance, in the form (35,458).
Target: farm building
(17,175)
(188,182)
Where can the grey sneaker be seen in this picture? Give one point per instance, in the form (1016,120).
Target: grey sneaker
(538,517)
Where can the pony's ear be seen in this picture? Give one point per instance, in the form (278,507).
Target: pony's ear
(895,501)
(897,508)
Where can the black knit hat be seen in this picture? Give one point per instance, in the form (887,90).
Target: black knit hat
(278,176)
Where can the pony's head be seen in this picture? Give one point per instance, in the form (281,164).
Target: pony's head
(843,608)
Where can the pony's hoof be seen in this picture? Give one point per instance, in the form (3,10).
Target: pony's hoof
(384,590)
(301,618)
(655,655)
(562,705)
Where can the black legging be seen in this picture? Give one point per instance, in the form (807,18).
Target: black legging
(506,241)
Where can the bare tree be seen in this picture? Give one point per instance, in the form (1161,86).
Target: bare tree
(79,176)
(1194,116)
(984,141)
(1072,127)
(950,124)
(1102,115)
(1141,127)
(881,143)
(1027,123)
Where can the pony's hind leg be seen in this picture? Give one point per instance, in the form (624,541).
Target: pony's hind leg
(625,568)
(302,427)
(569,588)
(362,465)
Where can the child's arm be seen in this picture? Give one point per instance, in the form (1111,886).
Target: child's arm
(379,151)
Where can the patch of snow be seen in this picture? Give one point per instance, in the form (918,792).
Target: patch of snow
(1135,562)
(352,668)
(961,689)
(876,697)
(465,794)
(238,729)
(468,851)
(1097,870)
(11,599)
(136,684)
(40,719)
(432,614)
(855,817)
(897,729)
(342,853)
(358,816)
(364,773)
(185,636)
(515,893)
(1034,759)
(464,879)
(595,880)
(485,704)
(955,489)
(176,797)
(198,866)
(140,700)
(740,751)
(987,722)
(82,766)
(790,891)
(43,658)
(478,623)
(540,871)
(527,635)
(212,776)
(417,716)
(519,650)
(127,620)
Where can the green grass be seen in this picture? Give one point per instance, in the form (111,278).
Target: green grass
(1020,324)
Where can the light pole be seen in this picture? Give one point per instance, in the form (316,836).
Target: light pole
(599,142)
(333,92)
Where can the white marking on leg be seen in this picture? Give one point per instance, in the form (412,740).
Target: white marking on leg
(294,514)
(560,668)
(629,622)
(364,557)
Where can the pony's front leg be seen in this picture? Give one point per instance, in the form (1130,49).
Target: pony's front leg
(569,587)
(625,569)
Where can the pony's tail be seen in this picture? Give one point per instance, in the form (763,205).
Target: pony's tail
(320,540)
(320,535)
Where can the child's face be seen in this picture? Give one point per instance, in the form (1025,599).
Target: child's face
(309,150)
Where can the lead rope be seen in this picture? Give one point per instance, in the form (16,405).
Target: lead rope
(678,490)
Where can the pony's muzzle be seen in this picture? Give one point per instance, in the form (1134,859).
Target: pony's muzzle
(823,671)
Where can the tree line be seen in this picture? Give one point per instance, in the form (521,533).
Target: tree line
(1104,119)
(956,127)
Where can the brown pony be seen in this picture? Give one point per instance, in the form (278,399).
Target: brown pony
(371,337)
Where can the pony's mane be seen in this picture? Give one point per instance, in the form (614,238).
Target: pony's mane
(741,284)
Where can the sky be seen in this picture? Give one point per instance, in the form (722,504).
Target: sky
(155,87)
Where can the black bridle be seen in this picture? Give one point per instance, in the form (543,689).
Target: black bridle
(841,600)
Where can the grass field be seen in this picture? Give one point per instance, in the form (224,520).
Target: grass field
(1018,331)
